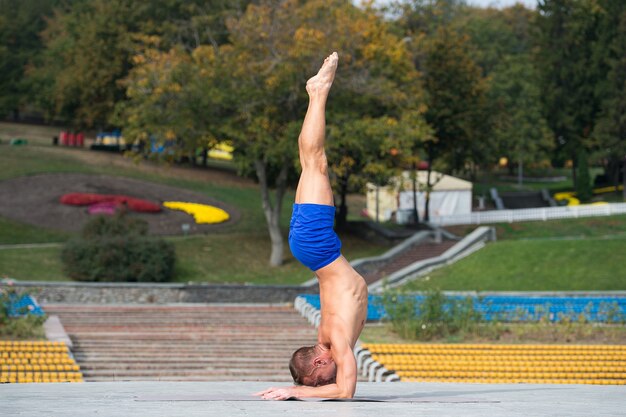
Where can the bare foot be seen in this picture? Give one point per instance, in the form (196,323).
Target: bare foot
(323,80)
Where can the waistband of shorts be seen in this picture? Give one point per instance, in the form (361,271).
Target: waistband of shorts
(320,207)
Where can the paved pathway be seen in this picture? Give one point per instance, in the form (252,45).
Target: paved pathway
(233,399)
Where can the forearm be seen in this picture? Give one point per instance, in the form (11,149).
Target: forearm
(324,391)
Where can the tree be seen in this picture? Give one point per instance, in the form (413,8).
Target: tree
(164,101)
(520,131)
(570,72)
(251,89)
(21,21)
(372,150)
(89,46)
(456,106)
(500,43)
(610,129)
(276,49)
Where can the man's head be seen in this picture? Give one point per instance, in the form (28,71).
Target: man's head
(312,366)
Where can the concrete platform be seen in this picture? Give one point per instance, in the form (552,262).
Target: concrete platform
(148,399)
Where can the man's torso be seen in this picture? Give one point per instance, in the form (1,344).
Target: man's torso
(343,297)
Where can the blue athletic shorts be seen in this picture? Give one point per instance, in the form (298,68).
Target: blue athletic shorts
(311,236)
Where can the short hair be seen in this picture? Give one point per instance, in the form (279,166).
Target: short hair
(302,368)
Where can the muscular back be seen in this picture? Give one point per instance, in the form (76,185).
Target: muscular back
(343,297)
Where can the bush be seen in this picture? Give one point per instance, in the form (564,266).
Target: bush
(119,225)
(117,249)
(436,316)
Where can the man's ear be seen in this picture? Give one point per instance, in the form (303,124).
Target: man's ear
(319,361)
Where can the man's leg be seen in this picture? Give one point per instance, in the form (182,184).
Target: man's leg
(314,185)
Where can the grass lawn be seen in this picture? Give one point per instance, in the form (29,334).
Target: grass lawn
(201,258)
(594,264)
(35,264)
(12,233)
(211,259)
(526,256)
(571,254)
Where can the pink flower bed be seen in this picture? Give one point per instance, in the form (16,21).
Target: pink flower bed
(107,207)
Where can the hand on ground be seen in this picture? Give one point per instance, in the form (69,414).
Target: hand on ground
(274,393)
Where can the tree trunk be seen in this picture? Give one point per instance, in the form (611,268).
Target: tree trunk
(416,215)
(377,210)
(624,179)
(342,214)
(272,211)
(428,186)
(574,167)
(427,204)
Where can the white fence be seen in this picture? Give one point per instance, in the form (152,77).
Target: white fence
(524,215)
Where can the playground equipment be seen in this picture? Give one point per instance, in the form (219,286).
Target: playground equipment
(223,151)
(72,139)
(110,141)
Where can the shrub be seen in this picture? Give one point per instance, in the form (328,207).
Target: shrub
(118,249)
(436,316)
(118,225)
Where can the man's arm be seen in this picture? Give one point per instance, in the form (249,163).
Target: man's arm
(344,386)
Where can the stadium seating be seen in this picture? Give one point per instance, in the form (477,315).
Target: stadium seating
(485,363)
(37,361)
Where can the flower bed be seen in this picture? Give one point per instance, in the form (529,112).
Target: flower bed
(107,202)
(202,213)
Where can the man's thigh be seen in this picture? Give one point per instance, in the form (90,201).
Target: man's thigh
(314,187)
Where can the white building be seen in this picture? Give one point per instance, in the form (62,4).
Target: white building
(450,195)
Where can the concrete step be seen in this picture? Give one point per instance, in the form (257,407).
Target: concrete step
(411,255)
(188,342)
(178,368)
(227,374)
(202,378)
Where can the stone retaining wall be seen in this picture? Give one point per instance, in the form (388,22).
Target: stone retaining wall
(130,293)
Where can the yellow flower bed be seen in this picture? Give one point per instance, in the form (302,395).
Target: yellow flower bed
(202,213)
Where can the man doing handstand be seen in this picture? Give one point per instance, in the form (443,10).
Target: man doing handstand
(328,369)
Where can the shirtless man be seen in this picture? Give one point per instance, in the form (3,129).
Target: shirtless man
(328,369)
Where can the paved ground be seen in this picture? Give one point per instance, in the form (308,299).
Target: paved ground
(148,399)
